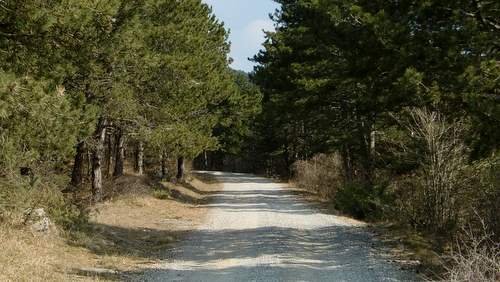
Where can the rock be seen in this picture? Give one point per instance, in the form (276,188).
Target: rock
(37,220)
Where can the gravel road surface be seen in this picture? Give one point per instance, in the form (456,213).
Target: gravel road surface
(258,230)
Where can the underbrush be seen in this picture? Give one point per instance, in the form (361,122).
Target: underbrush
(322,174)
(161,193)
(20,194)
(475,258)
(437,205)
(361,201)
(118,234)
(28,255)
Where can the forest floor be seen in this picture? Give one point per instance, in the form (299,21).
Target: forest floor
(125,232)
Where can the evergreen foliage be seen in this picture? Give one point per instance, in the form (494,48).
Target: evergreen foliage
(335,73)
(344,77)
(82,81)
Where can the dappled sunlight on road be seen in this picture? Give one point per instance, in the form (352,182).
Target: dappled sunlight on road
(259,231)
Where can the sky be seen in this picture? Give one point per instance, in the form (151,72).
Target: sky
(245,19)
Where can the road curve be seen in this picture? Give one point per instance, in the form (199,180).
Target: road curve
(258,230)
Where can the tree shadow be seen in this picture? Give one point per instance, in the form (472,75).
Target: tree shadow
(189,186)
(143,243)
(227,177)
(179,196)
(331,253)
(336,253)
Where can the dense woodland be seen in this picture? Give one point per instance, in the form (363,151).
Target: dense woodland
(390,109)
(87,87)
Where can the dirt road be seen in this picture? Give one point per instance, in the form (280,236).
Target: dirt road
(257,230)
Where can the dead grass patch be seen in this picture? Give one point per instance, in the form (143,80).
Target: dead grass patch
(35,257)
(130,229)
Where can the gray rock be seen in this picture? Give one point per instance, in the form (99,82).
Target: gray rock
(37,220)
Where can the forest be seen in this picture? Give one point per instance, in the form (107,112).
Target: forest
(396,99)
(85,84)
(390,110)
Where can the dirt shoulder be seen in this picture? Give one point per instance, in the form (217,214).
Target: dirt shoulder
(123,233)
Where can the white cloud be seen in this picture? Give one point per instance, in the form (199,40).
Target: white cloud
(254,32)
(247,42)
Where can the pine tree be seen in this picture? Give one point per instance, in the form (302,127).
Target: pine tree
(336,71)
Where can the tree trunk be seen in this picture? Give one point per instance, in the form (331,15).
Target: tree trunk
(79,166)
(139,158)
(164,165)
(109,154)
(89,164)
(347,164)
(205,160)
(97,159)
(373,142)
(120,153)
(369,158)
(180,168)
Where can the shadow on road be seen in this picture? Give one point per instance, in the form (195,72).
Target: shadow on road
(325,253)
(239,249)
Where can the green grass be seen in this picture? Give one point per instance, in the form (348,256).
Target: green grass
(161,193)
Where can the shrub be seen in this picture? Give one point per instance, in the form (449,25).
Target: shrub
(19,194)
(361,200)
(482,200)
(161,193)
(477,259)
(432,196)
(447,191)
(322,174)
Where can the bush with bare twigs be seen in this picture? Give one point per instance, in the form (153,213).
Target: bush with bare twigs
(431,196)
(322,174)
(447,190)
(476,258)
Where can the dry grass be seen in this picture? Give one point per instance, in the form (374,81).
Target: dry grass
(34,257)
(480,264)
(125,232)
(418,251)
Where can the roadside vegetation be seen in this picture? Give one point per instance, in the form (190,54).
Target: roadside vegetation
(94,94)
(133,227)
(391,110)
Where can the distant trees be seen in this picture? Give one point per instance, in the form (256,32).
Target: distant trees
(234,125)
(83,83)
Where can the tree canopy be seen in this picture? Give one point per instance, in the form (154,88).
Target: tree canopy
(77,75)
(335,72)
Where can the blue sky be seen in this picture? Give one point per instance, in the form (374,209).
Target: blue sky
(246,19)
